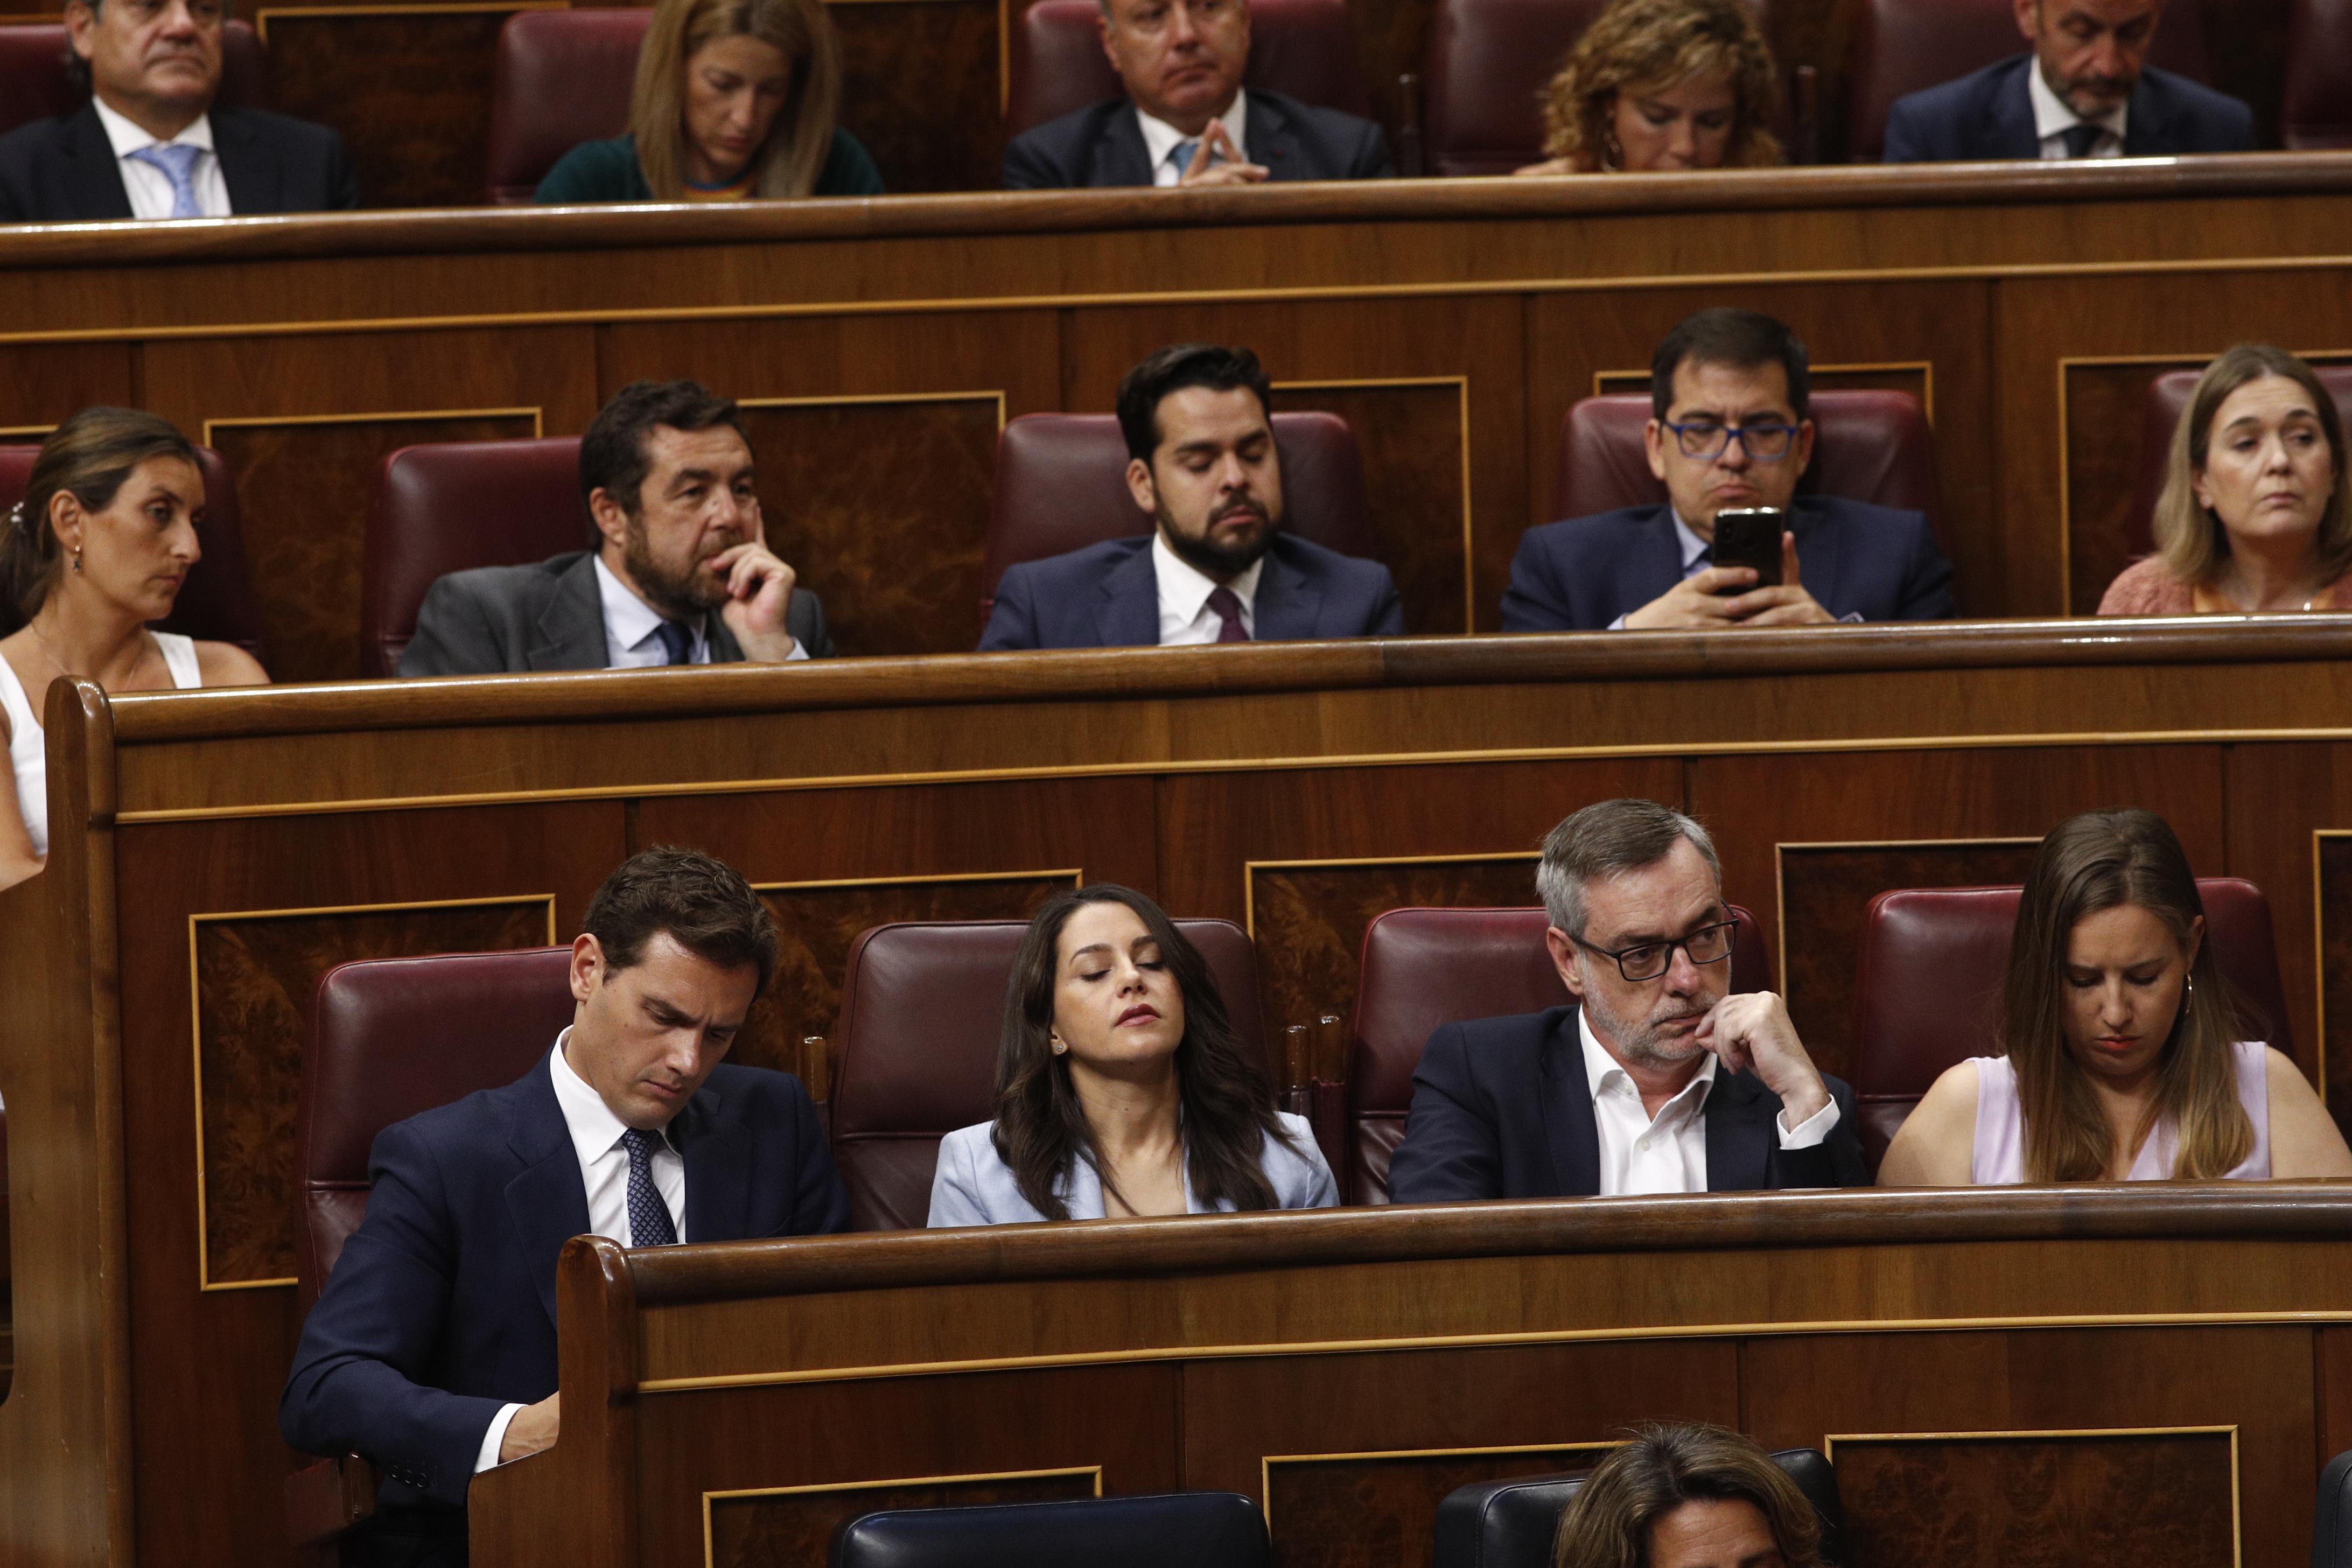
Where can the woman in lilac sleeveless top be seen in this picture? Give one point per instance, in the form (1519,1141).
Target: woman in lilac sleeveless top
(2126,1055)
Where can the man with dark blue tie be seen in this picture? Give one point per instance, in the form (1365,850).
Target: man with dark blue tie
(1216,566)
(432,1349)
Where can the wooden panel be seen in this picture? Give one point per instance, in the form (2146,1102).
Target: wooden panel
(1358,1509)
(1919,381)
(1825,893)
(921,88)
(1415,437)
(41,383)
(2281,797)
(2104,455)
(792,1528)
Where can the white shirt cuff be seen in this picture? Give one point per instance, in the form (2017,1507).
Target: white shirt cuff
(1809,1135)
(1618,624)
(800,651)
(495,1438)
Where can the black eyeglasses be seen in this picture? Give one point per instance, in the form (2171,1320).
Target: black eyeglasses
(1708,944)
(1706,438)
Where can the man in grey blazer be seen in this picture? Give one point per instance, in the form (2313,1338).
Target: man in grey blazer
(680,572)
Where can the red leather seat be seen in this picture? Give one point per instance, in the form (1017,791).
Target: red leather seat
(922,1004)
(1061,485)
(217,601)
(1928,987)
(563,77)
(1903,46)
(1871,446)
(1304,49)
(34,84)
(454,506)
(2167,398)
(1423,968)
(2318,113)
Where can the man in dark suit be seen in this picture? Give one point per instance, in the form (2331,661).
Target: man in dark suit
(432,1351)
(681,573)
(2086,92)
(1729,394)
(1186,118)
(1654,1080)
(150,145)
(1216,566)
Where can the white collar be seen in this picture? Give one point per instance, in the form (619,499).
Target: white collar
(1600,1066)
(595,1128)
(127,137)
(629,620)
(1160,138)
(2051,114)
(1184,589)
(1693,545)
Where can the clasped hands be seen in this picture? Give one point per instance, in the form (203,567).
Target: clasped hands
(1704,600)
(1234,171)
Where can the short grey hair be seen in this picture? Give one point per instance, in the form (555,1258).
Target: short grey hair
(1608,838)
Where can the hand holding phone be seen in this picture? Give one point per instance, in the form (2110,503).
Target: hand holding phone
(1750,537)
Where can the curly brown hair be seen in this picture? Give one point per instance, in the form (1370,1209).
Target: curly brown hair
(1645,43)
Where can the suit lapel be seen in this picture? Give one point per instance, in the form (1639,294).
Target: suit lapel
(1121,156)
(1287,603)
(1268,138)
(1568,1124)
(247,166)
(98,193)
(571,630)
(1739,1135)
(724,649)
(2010,118)
(1128,611)
(1818,552)
(718,1153)
(547,1201)
(1654,562)
(2144,132)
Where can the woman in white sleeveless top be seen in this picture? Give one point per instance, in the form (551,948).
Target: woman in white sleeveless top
(2127,1059)
(98,548)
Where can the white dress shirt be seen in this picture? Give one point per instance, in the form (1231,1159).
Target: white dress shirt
(1159,139)
(605,1172)
(1665,1152)
(2052,119)
(149,188)
(1185,618)
(632,628)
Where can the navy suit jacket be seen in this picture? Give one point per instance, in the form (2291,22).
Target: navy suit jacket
(1107,596)
(1990,114)
(442,1308)
(1856,559)
(1501,1109)
(65,171)
(1104,145)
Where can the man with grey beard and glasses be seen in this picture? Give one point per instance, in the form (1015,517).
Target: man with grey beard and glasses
(1654,1078)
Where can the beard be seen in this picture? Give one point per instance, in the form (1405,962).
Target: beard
(1649,1042)
(1221,561)
(684,595)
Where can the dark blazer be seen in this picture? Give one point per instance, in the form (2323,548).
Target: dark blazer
(1501,1110)
(1858,559)
(609,172)
(1990,114)
(65,171)
(1104,145)
(442,1308)
(1107,596)
(497,620)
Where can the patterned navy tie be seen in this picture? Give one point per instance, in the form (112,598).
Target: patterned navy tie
(649,1222)
(676,642)
(177,164)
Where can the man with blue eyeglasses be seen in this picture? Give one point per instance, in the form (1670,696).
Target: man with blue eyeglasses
(1728,429)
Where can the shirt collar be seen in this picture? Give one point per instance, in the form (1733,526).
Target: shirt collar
(1184,589)
(2052,116)
(629,621)
(126,137)
(1160,138)
(594,1127)
(1600,1067)
(1693,545)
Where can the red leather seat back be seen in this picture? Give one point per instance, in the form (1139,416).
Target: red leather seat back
(1903,46)
(395,1037)
(1303,49)
(217,601)
(34,84)
(2318,113)
(2168,399)
(921,1005)
(1425,968)
(454,506)
(1927,987)
(1061,485)
(1870,447)
(563,77)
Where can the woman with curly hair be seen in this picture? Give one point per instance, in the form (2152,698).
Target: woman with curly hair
(1656,86)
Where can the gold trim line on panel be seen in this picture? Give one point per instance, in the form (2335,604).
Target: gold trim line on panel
(395,417)
(422,8)
(1927,369)
(2319,949)
(1266,1462)
(1480,1342)
(851,400)
(1075,874)
(204,1281)
(1780,879)
(1250,868)
(8,430)
(739,1493)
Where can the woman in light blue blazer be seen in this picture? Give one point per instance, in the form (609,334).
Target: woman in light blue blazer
(1120,1087)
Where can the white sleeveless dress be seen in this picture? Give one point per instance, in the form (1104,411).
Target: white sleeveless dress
(24,739)
(1999,1158)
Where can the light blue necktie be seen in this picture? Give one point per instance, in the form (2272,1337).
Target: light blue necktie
(178,165)
(1182,155)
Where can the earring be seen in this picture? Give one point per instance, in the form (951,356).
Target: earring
(77,560)
(2191,981)
(1058,1046)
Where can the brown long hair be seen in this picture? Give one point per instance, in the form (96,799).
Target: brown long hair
(2190,538)
(1227,1099)
(1637,43)
(88,457)
(798,143)
(1609,1520)
(2097,861)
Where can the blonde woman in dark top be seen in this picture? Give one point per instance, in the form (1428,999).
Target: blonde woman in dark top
(1655,85)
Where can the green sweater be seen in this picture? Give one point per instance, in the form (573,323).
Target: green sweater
(608,172)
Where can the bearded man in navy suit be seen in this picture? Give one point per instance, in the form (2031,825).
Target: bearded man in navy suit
(432,1349)
(1216,566)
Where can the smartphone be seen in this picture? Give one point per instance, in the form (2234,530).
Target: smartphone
(1750,537)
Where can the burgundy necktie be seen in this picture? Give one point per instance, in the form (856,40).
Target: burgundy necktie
(1229,611)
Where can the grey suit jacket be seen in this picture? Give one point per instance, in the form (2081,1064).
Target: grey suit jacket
(508,620)
(972,1184)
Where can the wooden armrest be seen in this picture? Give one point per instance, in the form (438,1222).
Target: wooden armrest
(325,1499)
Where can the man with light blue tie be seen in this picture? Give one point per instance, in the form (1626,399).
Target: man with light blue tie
(151,143)
(680,572)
